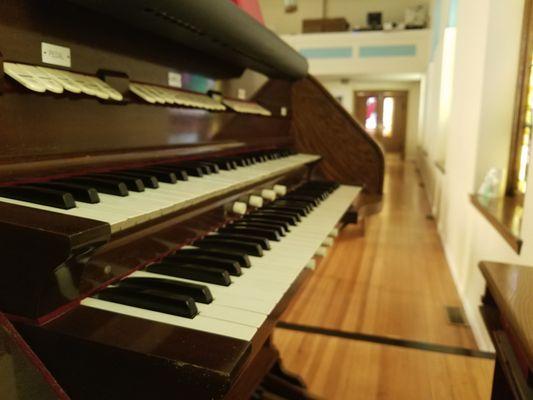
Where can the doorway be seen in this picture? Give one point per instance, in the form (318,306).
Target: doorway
(384,116)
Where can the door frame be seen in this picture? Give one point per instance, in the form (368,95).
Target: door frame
(385,93)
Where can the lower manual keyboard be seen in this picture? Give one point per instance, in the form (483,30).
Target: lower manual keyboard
(239,309)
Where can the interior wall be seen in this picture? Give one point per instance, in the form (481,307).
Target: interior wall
(354,11)
(478,131)
(345,91)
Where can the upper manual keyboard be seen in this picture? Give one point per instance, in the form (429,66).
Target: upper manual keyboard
(125,198)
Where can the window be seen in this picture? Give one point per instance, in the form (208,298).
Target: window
(371,118)
(383,113)
(522,126)
(388,114)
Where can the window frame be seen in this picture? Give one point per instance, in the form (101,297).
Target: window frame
(521,101)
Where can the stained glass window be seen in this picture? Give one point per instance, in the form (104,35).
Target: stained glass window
(524,153)
(371,117)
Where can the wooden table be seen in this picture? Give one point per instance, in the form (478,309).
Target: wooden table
(508,312)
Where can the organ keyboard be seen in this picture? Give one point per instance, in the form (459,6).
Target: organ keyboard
(149,247)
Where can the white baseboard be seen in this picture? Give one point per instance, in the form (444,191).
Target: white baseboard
(473,316)
(475,320)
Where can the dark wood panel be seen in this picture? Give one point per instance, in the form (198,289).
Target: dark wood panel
(510,287)
(96,354)
(22,373)
(49,129)
(320,125)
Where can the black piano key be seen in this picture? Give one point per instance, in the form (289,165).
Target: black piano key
(193,170)
(294,217)
(302,198)
(199,293)
(247,230)
(260,225)
(80,193)
(231,266)
(210,242)
(149,181)
(301,211)
(161,174)
(268,220)
(181,174)
(236,234)
(241,162)
(37,195)
(241,258)
(316,194)
(226,165)
(205,168)
(308,205)
(198,273)
(133,184)
(102,185)
(278,217)
(213,166)
(151,299)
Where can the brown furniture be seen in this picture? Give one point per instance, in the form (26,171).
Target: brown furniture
(57,259)
(325,25)
(508,312)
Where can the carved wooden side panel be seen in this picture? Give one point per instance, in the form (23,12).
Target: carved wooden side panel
(320,125)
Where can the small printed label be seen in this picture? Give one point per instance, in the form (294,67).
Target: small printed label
(241,94)
(174,79)
(283,111)
(55,55)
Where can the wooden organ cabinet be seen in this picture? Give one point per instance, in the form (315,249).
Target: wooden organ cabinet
(168,170)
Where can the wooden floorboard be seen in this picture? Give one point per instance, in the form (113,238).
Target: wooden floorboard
(336,368)
(393,281)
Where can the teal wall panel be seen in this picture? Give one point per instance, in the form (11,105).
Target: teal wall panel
(387,51)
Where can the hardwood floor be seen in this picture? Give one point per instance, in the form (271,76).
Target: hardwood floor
(393,282)
(335,368)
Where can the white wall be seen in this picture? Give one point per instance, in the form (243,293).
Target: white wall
(354,11)
(477,133)
(338,62)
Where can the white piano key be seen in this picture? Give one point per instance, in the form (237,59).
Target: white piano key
(200,322)
(230,314)
(124,212)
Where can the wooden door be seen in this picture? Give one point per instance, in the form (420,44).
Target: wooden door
(384,116)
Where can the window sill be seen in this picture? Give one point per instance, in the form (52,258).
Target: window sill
(440,167)
(504,214)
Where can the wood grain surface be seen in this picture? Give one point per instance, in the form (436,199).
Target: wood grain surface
(344,369)
(320,125)
(393,281)
(511,287)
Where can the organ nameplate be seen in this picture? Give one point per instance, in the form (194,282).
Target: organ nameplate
(174,79)
(56,55)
